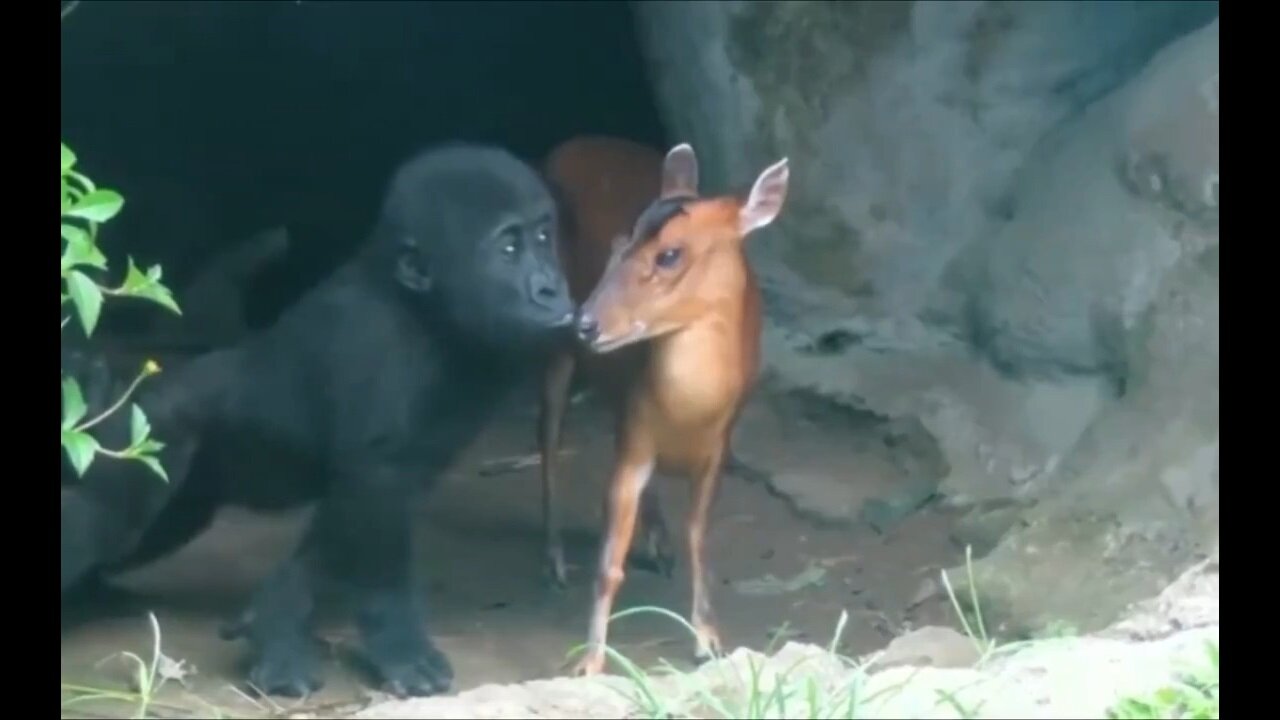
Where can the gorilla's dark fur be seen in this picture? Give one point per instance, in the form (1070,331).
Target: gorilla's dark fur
(360,394)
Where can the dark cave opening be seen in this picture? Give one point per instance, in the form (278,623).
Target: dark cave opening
(218,120)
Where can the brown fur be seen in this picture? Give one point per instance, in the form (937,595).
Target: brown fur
(677,350)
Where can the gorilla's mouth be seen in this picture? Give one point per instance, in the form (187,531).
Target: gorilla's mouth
(544,319)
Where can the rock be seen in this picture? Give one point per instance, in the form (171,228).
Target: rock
(1067,280)
(982,527)
(1077,677)
(932,672)
(1003,230)
(1191,601)
(834,464)
(930,646)
(1078,570)
(1137,497)
(905,123)
(556,698)
(884,514)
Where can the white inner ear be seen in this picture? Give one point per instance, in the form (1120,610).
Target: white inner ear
(766,198)
(680,172)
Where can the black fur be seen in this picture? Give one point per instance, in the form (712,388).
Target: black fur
(654,218)
(359,395)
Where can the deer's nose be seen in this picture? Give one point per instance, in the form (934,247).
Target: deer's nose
(588,327)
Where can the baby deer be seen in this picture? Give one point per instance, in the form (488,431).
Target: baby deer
(677,290)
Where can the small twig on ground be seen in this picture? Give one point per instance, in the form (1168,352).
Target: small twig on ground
(501,466)
(836,560)
(339,708)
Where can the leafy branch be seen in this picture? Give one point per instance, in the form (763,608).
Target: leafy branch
(85,206)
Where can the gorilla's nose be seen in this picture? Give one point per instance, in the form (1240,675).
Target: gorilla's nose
(588,327)
(548,291)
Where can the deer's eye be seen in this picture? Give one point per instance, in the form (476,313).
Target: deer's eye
(668,258)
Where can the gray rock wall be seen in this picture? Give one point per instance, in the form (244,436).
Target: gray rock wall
(1003,225)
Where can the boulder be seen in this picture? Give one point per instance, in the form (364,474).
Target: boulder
(1002,229)
(929,673)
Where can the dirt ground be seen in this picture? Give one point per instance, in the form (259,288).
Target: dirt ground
(489,608)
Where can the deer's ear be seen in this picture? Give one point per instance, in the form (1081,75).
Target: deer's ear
(680,172)
(766,198)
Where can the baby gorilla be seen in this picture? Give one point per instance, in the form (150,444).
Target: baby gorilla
(360,394)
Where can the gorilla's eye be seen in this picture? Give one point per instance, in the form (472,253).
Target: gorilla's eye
(509,239)
(543,234)
(667,258)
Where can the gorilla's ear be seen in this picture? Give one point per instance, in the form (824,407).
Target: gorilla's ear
(411,267)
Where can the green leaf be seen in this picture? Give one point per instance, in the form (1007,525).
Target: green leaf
(139,427)
(161,295)
(74,234)
(80,447)
(87,297)
(84,181)
(155,466)
(80,249)
(148,287)
(73,407)
(134,279)
(97,206)
(68,158)
(148,446)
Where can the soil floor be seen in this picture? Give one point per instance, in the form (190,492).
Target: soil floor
(489,607)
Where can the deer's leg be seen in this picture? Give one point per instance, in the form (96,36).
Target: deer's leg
(635,467)
(704,488)
(657,555)
(555,400)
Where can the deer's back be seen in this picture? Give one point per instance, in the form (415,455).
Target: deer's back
(603,184)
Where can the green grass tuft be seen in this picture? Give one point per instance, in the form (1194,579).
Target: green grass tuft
(1192,696)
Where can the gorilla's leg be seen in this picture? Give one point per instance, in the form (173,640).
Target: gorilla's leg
(284,657)
(366,540)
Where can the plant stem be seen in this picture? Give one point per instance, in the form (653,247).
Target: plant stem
(111,410)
